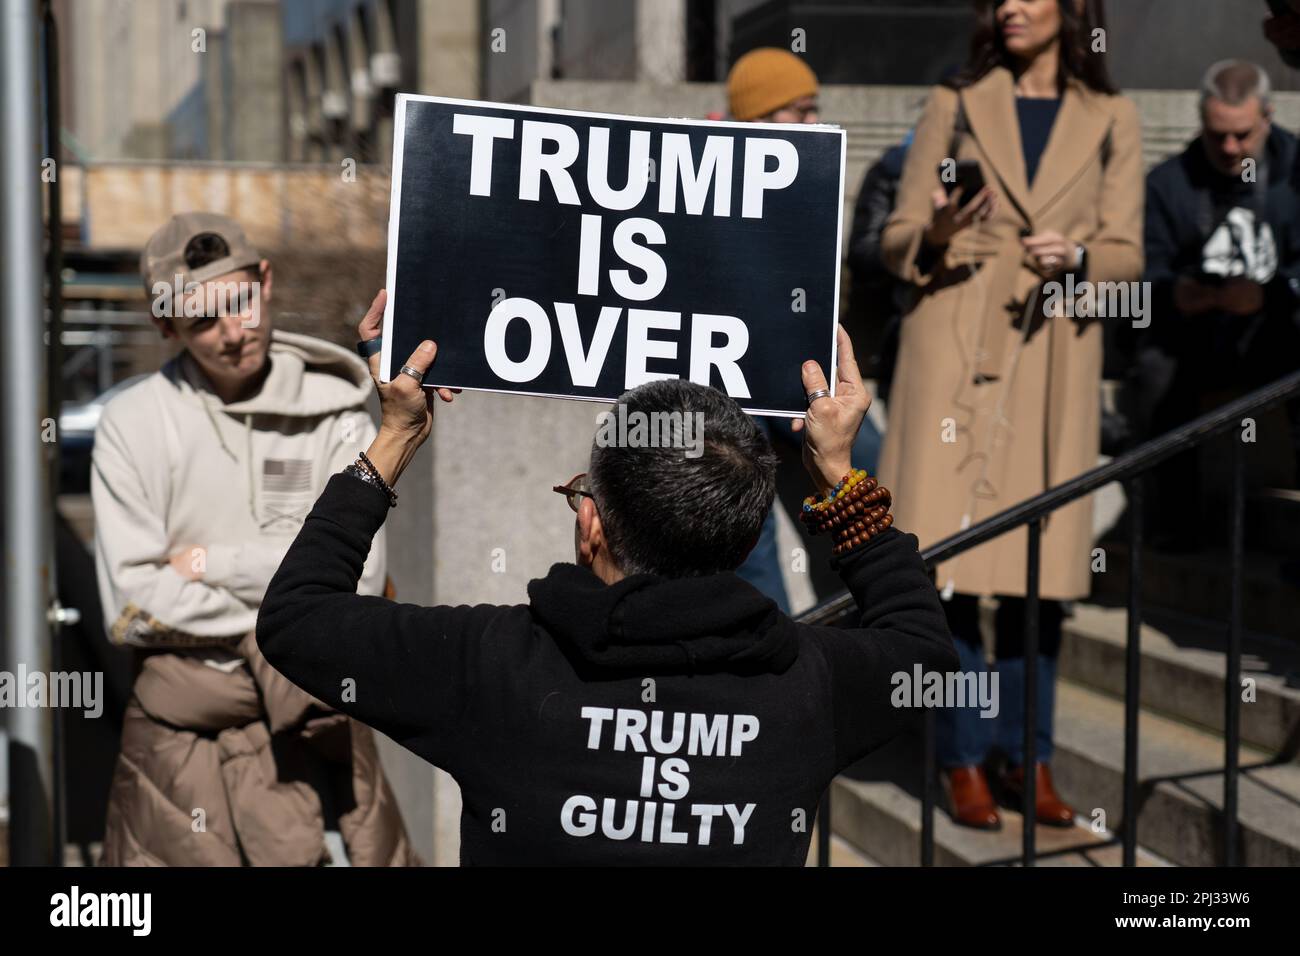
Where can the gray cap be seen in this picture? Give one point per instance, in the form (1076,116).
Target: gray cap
(163,258)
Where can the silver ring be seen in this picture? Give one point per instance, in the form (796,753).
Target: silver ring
(820,393)
(415,373)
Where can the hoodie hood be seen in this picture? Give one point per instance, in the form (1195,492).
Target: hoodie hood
(647,624)
(309,377)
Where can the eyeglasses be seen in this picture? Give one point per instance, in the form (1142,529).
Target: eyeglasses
(801,111)
(577,486)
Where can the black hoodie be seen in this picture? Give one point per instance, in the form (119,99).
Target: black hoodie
(652,721)
(1202,223)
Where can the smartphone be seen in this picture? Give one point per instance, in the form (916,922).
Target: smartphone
(968,176)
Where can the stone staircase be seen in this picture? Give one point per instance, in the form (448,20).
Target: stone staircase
(876,806)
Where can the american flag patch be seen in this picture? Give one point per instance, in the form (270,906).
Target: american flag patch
(286,489)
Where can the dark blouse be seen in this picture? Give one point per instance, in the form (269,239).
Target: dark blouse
(1036,119)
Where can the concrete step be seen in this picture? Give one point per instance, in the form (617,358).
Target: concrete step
(876,808)
(883,820)
(1198,585)
(1181,783)
(1183,672)
(842,853)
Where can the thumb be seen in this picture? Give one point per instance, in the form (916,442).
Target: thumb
(422,357)
(814,379)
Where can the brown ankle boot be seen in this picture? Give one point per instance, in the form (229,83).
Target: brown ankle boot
(970,802)
(1048,806)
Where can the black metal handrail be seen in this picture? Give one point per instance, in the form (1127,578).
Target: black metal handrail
(1128,468)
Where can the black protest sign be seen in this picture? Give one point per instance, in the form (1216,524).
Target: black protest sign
(578,255)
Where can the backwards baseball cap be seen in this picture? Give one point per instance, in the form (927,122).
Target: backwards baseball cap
(189,237)
(766,79)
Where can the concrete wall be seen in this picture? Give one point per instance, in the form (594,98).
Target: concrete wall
(450,48)
(1167,44)
(253,89)
(519,27)
(128,64)
(597,40)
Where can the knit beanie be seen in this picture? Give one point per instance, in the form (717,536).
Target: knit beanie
(766,79)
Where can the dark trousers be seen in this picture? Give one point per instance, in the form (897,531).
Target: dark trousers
(964,736)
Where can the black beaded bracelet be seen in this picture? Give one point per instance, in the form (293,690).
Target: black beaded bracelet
(385,486)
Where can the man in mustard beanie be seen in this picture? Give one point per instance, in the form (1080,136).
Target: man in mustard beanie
(771,85)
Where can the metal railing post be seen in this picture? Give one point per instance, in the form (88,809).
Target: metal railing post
(1232,682)
(1029,763)
(1133,667)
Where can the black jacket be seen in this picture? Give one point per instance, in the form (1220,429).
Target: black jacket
(692,703)
(877,298)
(1188,201)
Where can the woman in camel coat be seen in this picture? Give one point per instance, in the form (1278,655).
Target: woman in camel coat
(997,391)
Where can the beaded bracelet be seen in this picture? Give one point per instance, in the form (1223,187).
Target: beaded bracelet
(855,511)
(372,476)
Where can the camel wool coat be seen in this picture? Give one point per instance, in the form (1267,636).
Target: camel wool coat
(989,408)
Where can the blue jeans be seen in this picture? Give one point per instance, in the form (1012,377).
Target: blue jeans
(964,736)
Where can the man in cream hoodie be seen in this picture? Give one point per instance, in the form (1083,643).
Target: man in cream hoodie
(202,475)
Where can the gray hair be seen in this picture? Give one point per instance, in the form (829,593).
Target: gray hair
(1234,82)
(667,512)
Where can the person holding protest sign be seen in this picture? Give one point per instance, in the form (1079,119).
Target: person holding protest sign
(646,706)
(772,85)
(202,473)
(1025,175)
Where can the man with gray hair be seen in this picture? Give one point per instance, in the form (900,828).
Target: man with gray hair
(1225,278)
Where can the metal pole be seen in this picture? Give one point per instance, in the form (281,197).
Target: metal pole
(26,515)
(1133,668)
(54,379)
(1030,762)
(1232,684)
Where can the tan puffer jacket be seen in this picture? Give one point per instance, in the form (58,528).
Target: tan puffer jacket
(225,763)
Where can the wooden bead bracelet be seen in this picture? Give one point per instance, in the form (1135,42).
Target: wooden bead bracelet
(855,511)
